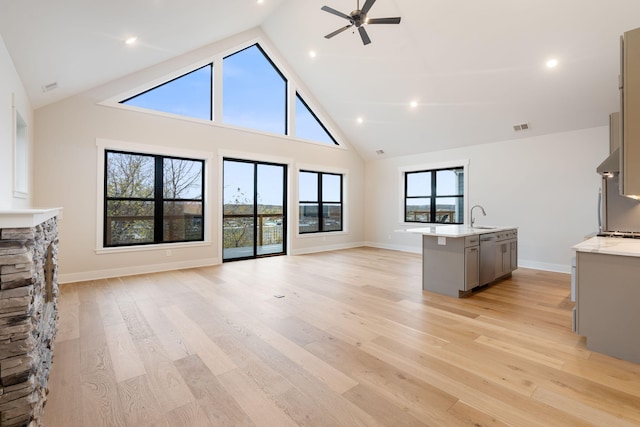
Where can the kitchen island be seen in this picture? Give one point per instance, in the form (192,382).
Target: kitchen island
(457,258)
(608,296)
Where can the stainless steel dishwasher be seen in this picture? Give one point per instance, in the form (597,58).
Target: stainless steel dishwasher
(487,258)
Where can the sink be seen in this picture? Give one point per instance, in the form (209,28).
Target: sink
(485,227)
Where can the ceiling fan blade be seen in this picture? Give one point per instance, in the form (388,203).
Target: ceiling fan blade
(384,21)
(364,36)
(338,31)
(367,6)
(336,12)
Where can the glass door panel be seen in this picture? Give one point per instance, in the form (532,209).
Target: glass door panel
(238,212)
(254,222)
(270,194)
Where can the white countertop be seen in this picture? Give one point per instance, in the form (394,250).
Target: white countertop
(454,230)
(610,246)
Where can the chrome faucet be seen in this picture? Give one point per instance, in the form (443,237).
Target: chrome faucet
(471,213)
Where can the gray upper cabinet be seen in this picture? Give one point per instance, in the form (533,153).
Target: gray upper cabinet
(630,107)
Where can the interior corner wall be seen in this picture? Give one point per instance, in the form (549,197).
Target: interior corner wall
(11,92)
(66,176)
(547,186)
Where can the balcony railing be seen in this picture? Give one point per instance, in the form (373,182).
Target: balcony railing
(238,230)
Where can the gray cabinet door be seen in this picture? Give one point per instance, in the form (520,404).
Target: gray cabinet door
(472,267)
(514,255)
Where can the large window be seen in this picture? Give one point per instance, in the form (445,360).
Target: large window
(434,196)
(320,199)
(189,95)
(254,92)
(251,92)
(308,126)
(152,199)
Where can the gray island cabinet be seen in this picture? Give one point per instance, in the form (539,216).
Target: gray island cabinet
(457,259)
(607,309)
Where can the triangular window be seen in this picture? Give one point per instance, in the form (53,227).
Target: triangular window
(308,126)
(254,96)
(189,95)
(254,92)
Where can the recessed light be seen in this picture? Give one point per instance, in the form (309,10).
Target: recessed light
(312,53)
(260,1)
(360,120)
(131,40)
(552,63)
(414,104)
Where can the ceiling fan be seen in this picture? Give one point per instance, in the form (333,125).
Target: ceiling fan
(358,18)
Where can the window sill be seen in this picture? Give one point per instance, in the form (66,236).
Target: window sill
(148,248)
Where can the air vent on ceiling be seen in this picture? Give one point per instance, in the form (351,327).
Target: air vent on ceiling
(521,127)
(50,86)
(380,151)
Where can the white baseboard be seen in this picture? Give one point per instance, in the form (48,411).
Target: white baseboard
(401,248)
(327,248)
(557,268)
(138,269)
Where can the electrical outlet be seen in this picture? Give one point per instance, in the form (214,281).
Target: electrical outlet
(168,252)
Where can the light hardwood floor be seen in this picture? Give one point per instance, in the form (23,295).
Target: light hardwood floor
(353,342)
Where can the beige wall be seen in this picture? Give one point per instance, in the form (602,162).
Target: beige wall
(65,161)
(12,93)
(547,186)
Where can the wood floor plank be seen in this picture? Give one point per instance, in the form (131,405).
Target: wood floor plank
(101,405)
(219,406)
(65,379)
(69,315)
(262,410)
(198,342)
(354,342)
(124,357)
(168,335)
(138,402)
(164,379)
(190,414)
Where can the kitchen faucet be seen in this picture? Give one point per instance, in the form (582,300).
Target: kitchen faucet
(471,213)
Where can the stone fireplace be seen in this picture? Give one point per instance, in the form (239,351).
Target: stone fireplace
(28,313)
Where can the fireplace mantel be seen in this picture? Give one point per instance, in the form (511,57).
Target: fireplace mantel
(27,218)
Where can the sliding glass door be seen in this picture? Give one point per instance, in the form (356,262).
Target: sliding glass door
(254,221)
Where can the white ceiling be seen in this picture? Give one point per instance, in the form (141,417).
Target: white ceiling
(476,67)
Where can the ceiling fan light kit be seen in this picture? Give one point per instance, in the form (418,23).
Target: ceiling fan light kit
(358,18)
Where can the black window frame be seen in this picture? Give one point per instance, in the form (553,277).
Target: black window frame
(320,202)
(433,196)
(158,199)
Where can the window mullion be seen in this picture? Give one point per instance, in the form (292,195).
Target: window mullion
(158,200)
(320,204)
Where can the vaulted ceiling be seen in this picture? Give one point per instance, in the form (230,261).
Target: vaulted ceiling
(474,67)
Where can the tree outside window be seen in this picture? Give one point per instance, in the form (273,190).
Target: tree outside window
(152,199)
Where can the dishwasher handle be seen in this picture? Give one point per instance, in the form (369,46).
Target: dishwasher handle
(487,238)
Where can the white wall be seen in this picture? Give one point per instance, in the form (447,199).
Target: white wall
(65,161)
(12,93)
(547,186)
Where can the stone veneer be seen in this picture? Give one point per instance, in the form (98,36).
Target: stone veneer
(28,316)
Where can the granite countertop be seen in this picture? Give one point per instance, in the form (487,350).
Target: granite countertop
(610,246)
(455,230)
